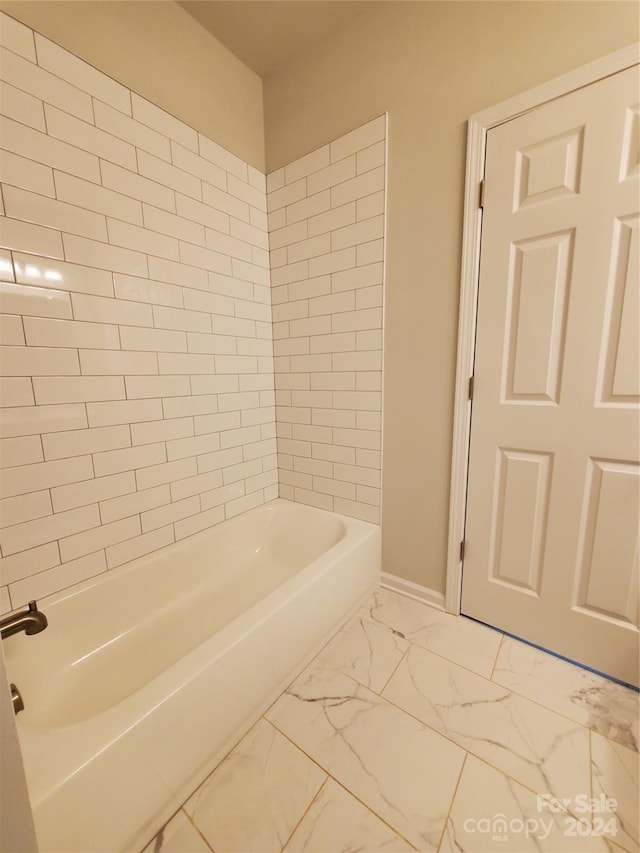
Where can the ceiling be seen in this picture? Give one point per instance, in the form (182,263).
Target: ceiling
(268,34)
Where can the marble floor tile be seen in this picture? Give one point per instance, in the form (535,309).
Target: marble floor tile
(337,822)
(456,638)
(403,771)
(615,776)
(178,836)
(537,747)
(256,796)
(367,652)
(492,812)
(598,703)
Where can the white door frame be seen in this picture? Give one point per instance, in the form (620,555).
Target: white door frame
(479,124)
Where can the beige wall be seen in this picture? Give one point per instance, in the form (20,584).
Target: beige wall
(430,65)
(159,51)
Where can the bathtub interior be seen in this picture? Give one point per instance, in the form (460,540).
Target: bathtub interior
(110,636)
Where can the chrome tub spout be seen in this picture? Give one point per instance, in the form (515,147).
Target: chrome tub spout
(31,621)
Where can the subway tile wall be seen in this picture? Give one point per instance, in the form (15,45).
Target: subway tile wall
(137,363)
(326,233)
(136,367)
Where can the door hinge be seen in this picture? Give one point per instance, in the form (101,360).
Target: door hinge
(471,387)
(481,194)
(462,550)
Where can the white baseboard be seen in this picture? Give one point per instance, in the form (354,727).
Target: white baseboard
(413,590)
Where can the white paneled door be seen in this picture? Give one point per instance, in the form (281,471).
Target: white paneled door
(554,477)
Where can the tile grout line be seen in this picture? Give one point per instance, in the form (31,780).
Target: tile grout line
(455,792)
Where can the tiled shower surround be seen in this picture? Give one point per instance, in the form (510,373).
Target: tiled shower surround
(137,362)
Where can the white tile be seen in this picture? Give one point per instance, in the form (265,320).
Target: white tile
(169,176)
(287,195)
(146,290)
(77,389)
(228,245)
(33,420)
(237,506)
(225,203)
(338,172)
(138,547)
(257,236)
(24,508)
(41,83)
(303,166)
(307,207)
(178,363)
(52,580)
(61,125)
(174,226)
(370,253)
(369,439)
(164,430)
(219,459)
(538,748)
(339,217)
(136,186)
(158,475)
(332,262)
(356,188)
(615,778)
(196,523)
(183,448)
(154,518)
(198,166)
(492,811)
(163,123)
(114,509)
(38,361)
(17,37)
(361,232)
(178,273)
(79,73)
(205,258)
(130,130)
(604,706)
(62,445)
(370,205)
(25,237)
(44,272)
(21,450)
(350,321)
(257,795)
(196,485)
(118,362)
(93,254)
(310,248)
(362,137)
(143,240)
(20,172)
(242,190)
(21,565)
(123,412)
(235,364)
(337,821)
(51,213)
(178,836)
(92,491)
(371,157)
(408,780)
(34,301)
(44,475)
(16,104)
(155,340)
(204,214)
(275,180)
(91,197)
(156,386)
(72,547)
(128,459)
(101,310)
(43,530)
(365,276)
(45,332)
(215,153)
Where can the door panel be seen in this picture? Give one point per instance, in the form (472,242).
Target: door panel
(554,487)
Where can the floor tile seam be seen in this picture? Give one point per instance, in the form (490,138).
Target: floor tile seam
(306,811)
(495,663)
(338,782)
(196,827)
(466,749)
(453,797)
(425,649)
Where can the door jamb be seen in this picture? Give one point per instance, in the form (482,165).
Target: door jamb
(478,125)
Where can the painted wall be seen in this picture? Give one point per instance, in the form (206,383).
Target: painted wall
(159,51)
(136,371)
(326,231)
(430,65)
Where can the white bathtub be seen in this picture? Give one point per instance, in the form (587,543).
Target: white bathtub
(146,677)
